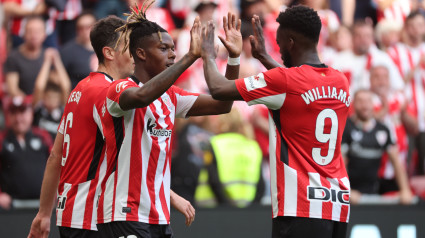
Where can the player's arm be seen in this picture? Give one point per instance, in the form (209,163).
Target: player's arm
(42,77)
(40,226)
(183,206)
(400,176)
(149,92)
(12,84)
(220,87)
(258,46)
(13,9)
(205,104)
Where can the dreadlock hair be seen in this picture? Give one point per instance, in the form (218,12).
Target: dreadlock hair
(103,34)
(138,27)
(301,19)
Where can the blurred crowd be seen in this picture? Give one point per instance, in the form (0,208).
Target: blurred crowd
(379,45)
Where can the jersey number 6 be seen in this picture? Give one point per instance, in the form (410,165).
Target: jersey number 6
(323,137)
(67,139)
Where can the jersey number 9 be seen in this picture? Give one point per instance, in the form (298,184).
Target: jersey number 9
(323,137)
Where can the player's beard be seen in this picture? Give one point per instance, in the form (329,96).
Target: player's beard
(287,59)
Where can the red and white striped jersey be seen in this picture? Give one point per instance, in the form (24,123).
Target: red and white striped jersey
(396,101)
(308,108)
(405,57)
(83,159)
(73,8)
(356,68)
(17,24)
(138,188)
(415,92)
(397,12)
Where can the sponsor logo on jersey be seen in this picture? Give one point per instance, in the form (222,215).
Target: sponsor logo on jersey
(255,82)
(156,132)
(328,194)
(381,137)
(61,202)
(121,86)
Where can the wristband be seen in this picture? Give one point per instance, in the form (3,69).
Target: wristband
(234,61)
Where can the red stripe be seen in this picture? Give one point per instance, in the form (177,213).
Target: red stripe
(302,183)
(116,180)
(326,206)
(151,173)
(368,62)
(135,176)
(69,205)
(88,211)
(344,208)
(396,59)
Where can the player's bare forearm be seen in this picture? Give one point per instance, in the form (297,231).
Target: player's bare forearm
(183,206)
(158,85)
(51,178)
(268,61)
(220,87)
(401,177)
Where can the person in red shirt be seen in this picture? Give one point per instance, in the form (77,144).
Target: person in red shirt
(308,105)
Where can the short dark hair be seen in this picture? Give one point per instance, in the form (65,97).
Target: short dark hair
(138,27)
(301,19)
(103,34)
(84,14)
(52,87)
(413,15)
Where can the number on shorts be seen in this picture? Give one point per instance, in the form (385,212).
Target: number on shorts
(323,137)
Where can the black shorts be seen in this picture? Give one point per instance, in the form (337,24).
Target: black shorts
(300,227)
(67,232)
(134,229)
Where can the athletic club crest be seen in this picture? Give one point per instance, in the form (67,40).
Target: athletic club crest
(381,137)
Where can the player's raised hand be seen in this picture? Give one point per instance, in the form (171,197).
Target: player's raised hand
(40,227)
(258,47)
(195,38)
(209,50)
(233,37)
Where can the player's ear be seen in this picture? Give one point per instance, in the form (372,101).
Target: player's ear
(108,53)
(291,42)
(141,54)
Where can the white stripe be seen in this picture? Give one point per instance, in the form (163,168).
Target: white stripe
(146,146)
(59,212)
(273,102)
(315,204)
(346,183)
(108,198)
(291,191)
(123,167)
(273,179)
(161,161)
(96,118)
(102,173)
(336,206)
(184,104)
(80,205)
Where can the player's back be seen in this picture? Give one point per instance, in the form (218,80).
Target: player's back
(83,153)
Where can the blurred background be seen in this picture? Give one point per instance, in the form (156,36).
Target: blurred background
(220,163)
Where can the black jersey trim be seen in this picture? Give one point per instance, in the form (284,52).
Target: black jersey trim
(283,145)
(107,75)
(135,79)
(119,137)
(316,65)
(98,148)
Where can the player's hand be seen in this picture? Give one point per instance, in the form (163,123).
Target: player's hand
(40,227)
(406,197)
(209,50)
(233,39)
(184,207)
(195,39)
(258,46)
(5,201)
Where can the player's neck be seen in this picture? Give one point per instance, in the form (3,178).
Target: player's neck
(309,57)
(141,74)
(109,71)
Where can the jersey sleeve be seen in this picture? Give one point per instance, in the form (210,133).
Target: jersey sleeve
(113,96)
(185,101)
(268,88)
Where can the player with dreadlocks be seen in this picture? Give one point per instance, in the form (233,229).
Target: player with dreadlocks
(308,104)
(136,198)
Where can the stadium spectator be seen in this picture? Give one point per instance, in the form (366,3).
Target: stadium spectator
(363,143)
(234,164)
(66,20)
(393,10)
(390,109)
(339,41)
(388,34)
(77,55)
(51,92)
(21,11)
(150,103)
(188,157)
(23,154)
(301,149)
(356,64)
(23,64)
